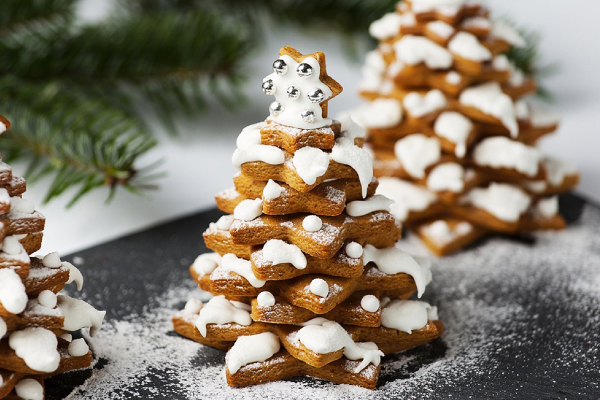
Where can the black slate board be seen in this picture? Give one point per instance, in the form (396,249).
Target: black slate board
(127,276)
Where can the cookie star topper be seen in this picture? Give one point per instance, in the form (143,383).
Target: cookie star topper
(301,88)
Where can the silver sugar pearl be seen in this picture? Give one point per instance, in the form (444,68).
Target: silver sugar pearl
(308,115)
(293,92)
(276,108)
(279,66)
(268,87)
(304,70)
(316,96)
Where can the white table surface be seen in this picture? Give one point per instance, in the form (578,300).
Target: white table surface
(198,163)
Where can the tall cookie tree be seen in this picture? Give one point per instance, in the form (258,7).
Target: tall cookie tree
(305,274)
(35,320)
(449,128)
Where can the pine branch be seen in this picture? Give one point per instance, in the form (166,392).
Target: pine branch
(32,15)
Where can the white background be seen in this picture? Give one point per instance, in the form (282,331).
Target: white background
(198,163)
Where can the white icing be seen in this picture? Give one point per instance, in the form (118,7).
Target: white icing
(540,116)
(372,72)
(74,275)
(265,299)
(466,45)
(221,311)
(78,348)
(271,191)
(2,130)
(328,337)
(447,176)
(377,202)
(349,128)
(414,50)
(502,30)
(193,306)
(354,250)
(250,349)
(37,347)
(249,148)
(242,267)
(441,233)
(319,287)
(310,163)
(501,152)
(370,303)
(501,63)
(206,263)
(489,99)
(380,113)
(535,186)
(79,314)
(20,205)
(456,128)
(556,170)
(279,252)
(406,196)
(12,291)
(12,246)
(453,78)
(405,315)
(52,260)
(47,298)
(419,106)
(441,29)
(477,22)
(345,152)
(392,260)
(67,336)
(517,77)
(224,223)
(522,109)
(504,201)
(408,19)
(248,209)
(386,27)
(417,152)
(291,115)
(547,208)
(29,389)
(3,329)
(312,223)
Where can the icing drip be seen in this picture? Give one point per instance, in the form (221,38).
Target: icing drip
(279,252)
(441,233)
(310,163)
(448,176)
(78,348)
(250,349)
(265,299)
(294,107)
(377,202)
(392,260)
(249,148)
(74,275)
(12,291)
(52,260)
(248,209)
(456,128)
(319,287)
(417,152)
(419,106)
(242,267)
(466,45)
(405,315)
(414,50)
(501,152)
(556,170)
(369,303)
(406,196)
(271,191)
(29,389)
(79,314)
(504,201)
(328,337)
(502,30)
(224,223)
(380,113)
(345,152)
(193,306)
(312,223)
(37,347)
(387,27)
(489,99)
(351,129)
(354,250)
(221,311)
(206,263)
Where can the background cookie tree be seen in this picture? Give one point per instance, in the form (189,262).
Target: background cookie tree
(35,320)
(305,274)
(449,128)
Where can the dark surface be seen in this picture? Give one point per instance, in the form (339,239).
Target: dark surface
(125,276)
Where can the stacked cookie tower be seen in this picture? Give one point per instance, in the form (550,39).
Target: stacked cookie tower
(35,321)
(449,128)
(305,274)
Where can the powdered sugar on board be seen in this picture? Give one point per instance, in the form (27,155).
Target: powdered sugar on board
(521,321)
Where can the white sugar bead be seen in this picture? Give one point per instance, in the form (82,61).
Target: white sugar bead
(47,299)
(224,223)
(248,209)
(272,190)
(354,250)
(52,260)
(319,287)
(370,303)
(3,328)
(193,306)
(67,336)
(312,223)
(78,348)
(29,389)
(265,299)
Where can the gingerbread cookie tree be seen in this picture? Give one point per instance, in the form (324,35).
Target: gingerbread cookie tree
(305,274)
(449,128)
(35,320)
